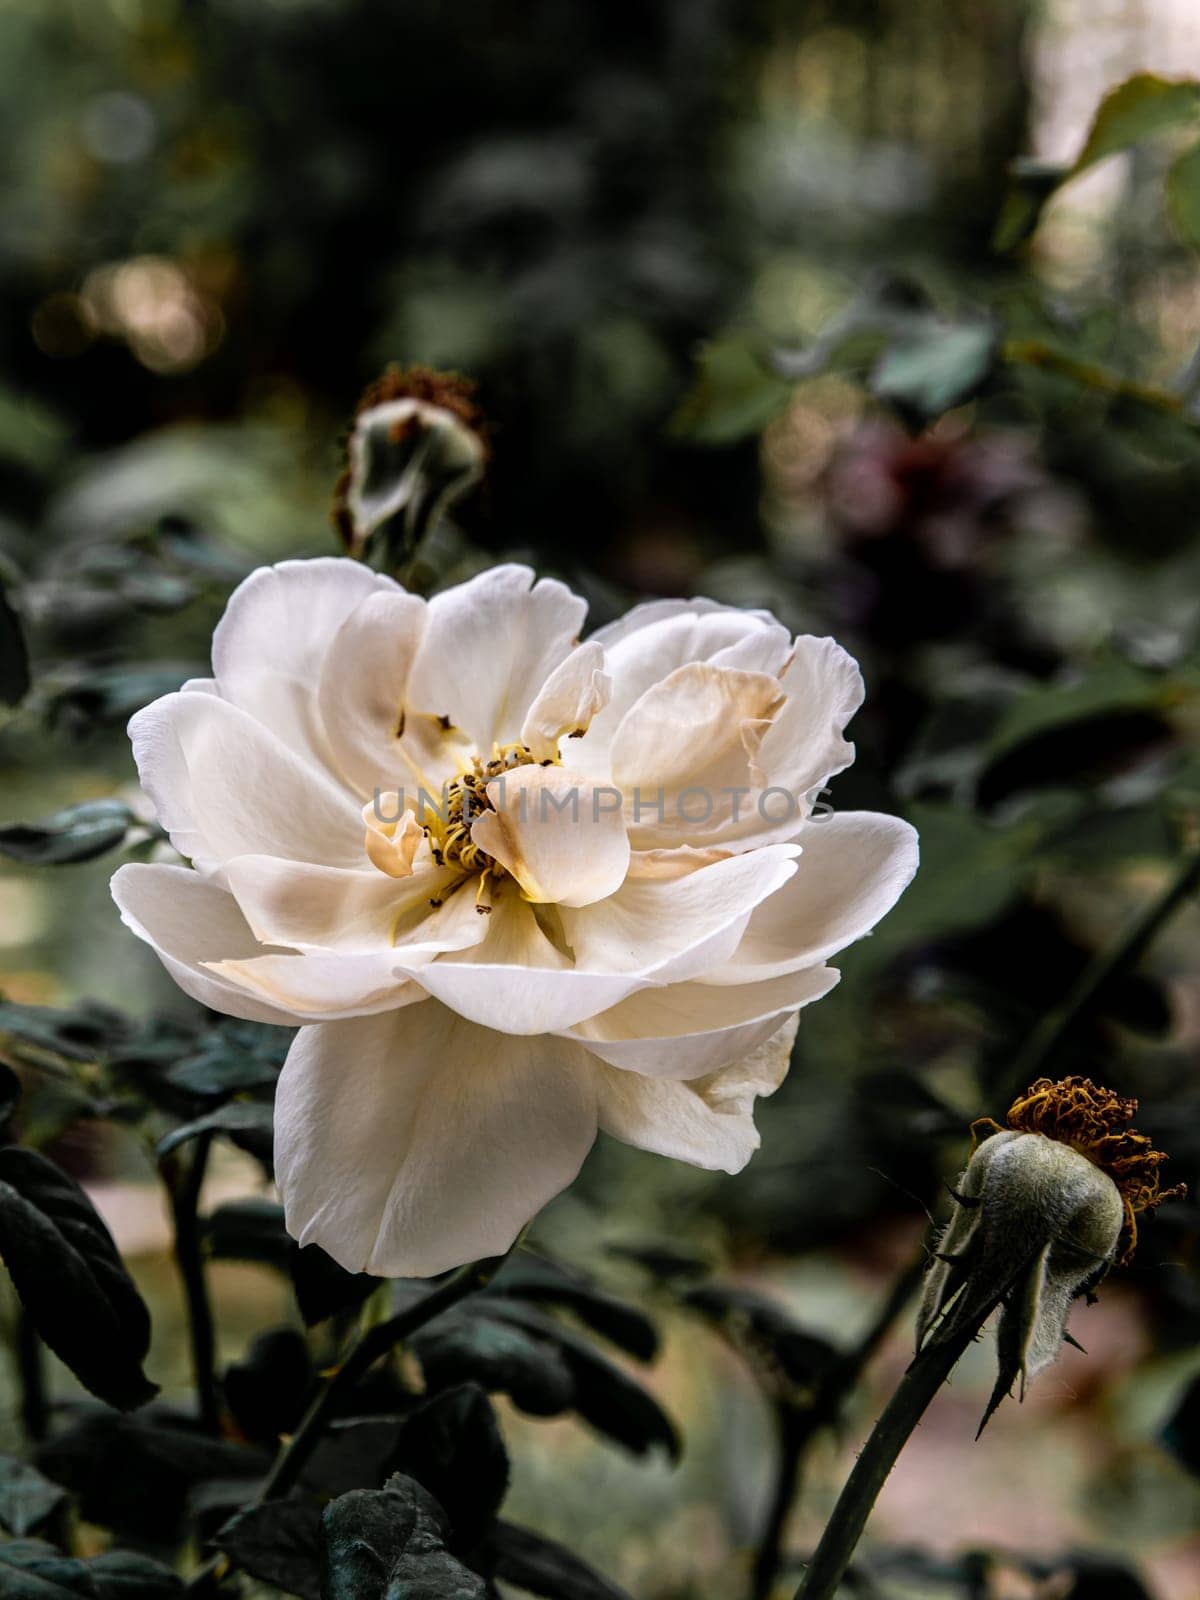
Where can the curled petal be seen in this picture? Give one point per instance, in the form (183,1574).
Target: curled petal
(707,1122)
(561,838)
(392,835)
(688,745)
(571,696)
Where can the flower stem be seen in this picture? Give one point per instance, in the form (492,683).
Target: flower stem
(900,1416)
(376,1342)
(795,1433)
(1125,952)
(184,1180)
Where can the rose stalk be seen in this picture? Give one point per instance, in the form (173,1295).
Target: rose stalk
(1041,1212)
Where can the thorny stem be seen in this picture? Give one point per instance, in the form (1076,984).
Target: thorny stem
(842,1533)
(375,1343)
(900,1416)
(184,1180)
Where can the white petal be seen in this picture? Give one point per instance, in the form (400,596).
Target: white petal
(188,920)
(650,932)
(408,1145)
(362,688)
(663,926)
(804,746)
(651,612)
(563,840)
(687,746)
(654,640)
(269,646)
(687,1030)
(224,785)
(708,1122)
(489,646)
(321,988)
(353,912)
(854,867)
(393,835)
(566,703)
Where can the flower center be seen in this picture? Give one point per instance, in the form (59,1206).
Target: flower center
(449,833)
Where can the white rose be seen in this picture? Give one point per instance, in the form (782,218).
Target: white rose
(478,997)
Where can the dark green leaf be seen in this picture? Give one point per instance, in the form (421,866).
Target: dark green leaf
(789,1360)
(246,1122)
(135,1474)
(14,656)
(389,1544)
(106,695)
(27,1500)
(603,1394)
(733,396)
(279,1543)
(538,1279)
(224,1067)
(248,1230)
(543,1567)
(468,1345)
(31,1570)
(1141,106)
(267,1392)
(80,833)
(126,1575)
(81,1033)
(71,1279)
(451,1444)
(322,1287)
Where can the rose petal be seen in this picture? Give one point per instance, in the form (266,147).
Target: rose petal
(489,646)
(567,702)
(687,1030)
(563,840)
(655,640)
(854,867)
(707,1122)
(224,785)
(405,1146)
(187,921)
(686,746)
(269,646)
(650,932)
(362,690)
(364,912)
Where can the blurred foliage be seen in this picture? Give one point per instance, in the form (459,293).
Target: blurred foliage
(773,303)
